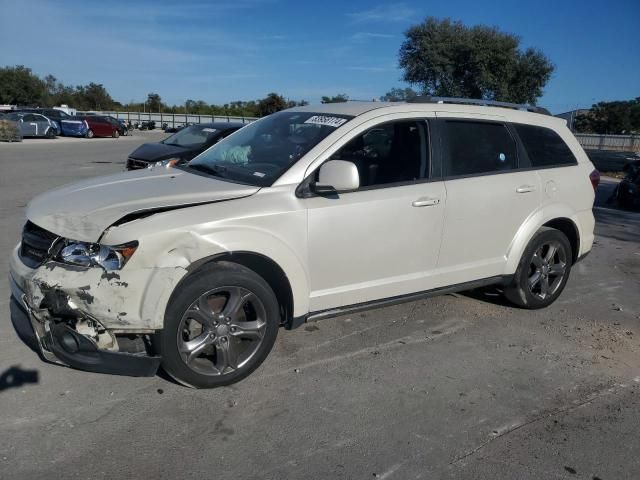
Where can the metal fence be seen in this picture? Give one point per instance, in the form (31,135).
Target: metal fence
(172,119)
(619,143)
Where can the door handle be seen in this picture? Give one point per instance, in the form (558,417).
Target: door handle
(525,188)
(426,202)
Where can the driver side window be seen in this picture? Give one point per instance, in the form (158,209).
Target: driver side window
(389,153)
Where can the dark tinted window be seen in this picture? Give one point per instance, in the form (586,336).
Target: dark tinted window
(477,147)
(544,146)
(389,153)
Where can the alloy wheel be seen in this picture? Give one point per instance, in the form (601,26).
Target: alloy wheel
(222,330)
(547,269)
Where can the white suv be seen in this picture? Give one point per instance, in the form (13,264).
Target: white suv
(307,213)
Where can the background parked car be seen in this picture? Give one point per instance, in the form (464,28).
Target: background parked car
(74,127)
(34,125)
(100,126)
(119,124)
(628,190)
(184,145)
(52,114)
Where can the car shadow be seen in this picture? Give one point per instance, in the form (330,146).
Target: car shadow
(15,377)
(491,294)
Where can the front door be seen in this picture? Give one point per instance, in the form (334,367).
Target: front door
(377,242)
(29,125)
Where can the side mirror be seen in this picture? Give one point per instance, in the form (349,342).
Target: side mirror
(337,176)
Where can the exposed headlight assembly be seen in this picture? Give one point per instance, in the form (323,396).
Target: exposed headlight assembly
(93,254)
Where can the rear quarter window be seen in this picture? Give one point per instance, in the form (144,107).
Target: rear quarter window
(544,146)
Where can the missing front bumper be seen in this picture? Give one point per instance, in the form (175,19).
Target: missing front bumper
(57,343)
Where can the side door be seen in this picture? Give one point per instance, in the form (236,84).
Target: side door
(378,241)
(103,127)
(29,125)
(491,191)
(42,124)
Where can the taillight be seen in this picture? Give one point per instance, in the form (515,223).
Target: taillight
(595,179)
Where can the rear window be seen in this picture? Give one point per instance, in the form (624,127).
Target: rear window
(544,146)
(473,148)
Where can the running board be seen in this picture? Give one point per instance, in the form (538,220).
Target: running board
(387,302)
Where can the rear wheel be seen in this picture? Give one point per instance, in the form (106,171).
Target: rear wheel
(89,134)
(115,134)
(220,325)
(543,270)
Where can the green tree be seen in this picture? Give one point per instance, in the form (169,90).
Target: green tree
(20,86)
(616,118)
(270,104)
(154,102)
(93,97)
(398,95)
(341,97)
(447,58)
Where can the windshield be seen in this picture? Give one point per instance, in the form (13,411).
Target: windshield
(191,136)
(262,151)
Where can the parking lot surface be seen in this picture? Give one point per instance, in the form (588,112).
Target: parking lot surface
(457,386)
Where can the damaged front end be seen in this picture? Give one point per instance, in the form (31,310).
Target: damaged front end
(80,342)
(54,312)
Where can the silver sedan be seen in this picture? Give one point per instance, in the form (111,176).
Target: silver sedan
(33,124)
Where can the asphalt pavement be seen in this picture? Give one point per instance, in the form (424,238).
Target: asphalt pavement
(457,386)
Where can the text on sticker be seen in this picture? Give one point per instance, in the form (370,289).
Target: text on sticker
(327,121)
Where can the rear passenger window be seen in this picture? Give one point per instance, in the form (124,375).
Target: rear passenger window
(544,146)
(477,147)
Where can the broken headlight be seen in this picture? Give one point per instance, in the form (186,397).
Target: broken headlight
(93,254)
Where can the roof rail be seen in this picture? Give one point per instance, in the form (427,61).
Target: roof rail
(475,101)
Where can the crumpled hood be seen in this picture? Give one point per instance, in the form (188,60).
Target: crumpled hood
(82,211)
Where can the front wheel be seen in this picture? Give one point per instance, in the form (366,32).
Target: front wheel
(51,133)
(89,134)
(220,325)
(543,270)
(115,134)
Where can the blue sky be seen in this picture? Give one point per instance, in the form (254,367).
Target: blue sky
(225,50)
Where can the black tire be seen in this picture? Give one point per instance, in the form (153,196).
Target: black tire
(89,134)
(527,287)
(51,133)
(209,283)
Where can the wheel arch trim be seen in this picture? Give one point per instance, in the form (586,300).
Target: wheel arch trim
(553,216)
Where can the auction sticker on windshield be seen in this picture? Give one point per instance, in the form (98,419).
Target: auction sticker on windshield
(327,121)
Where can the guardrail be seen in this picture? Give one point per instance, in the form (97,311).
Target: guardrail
(619,143)
(172,119)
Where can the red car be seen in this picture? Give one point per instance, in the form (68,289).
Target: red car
(100,127)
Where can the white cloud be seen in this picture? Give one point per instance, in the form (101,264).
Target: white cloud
(364,36)
(392,12)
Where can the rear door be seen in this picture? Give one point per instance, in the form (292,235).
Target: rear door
(42,124)
(102,127)
(490,194)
